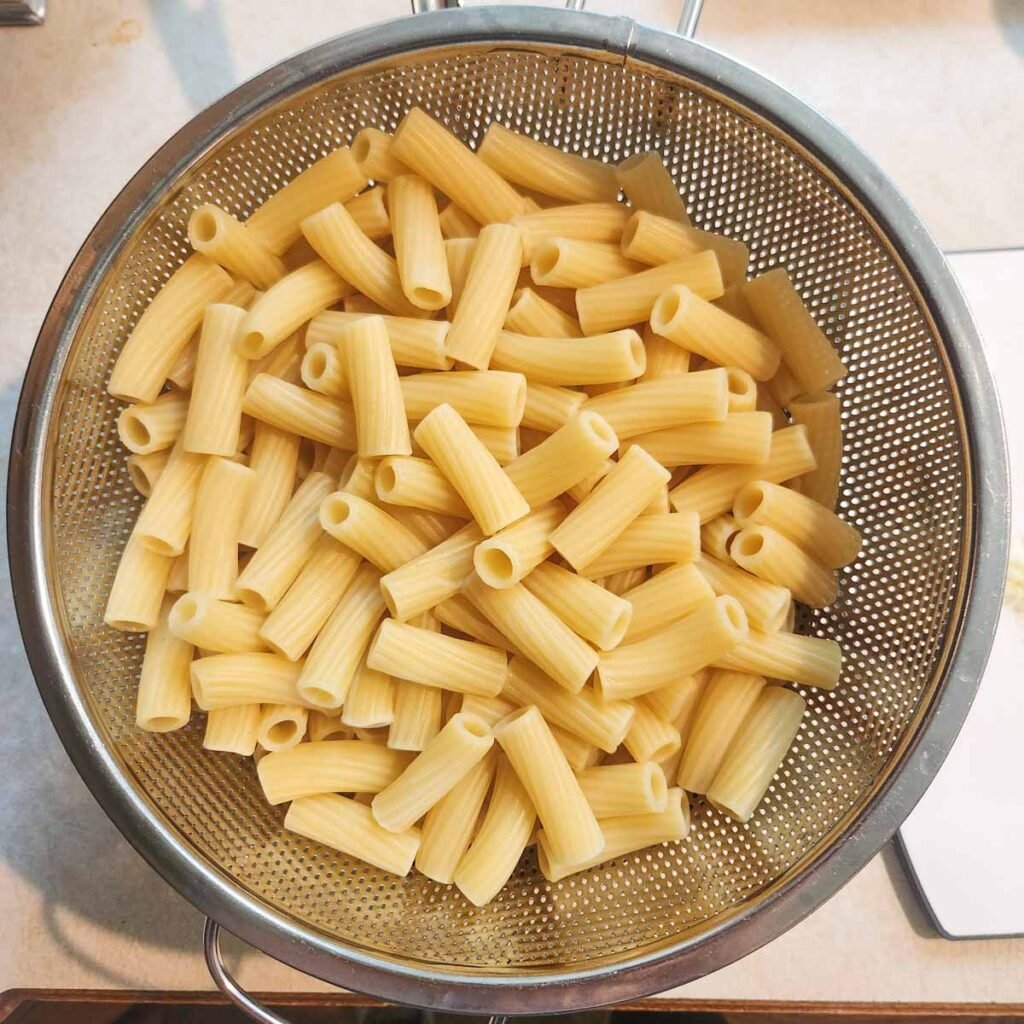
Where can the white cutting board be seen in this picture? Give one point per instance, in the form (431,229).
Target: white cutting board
(964,842)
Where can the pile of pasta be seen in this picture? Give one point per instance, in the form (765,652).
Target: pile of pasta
(482,527)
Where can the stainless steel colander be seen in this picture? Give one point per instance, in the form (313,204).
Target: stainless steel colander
(924,479)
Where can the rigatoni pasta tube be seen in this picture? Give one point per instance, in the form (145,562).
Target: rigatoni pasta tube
(445,760)
(153,426)
(381,424)
(664,358)
(282,726)
(456,223)
(512,553)
(573,263)
(620,789)
(145,470)
(629,300)
(458,614)
(489,398)
(418,713)
(369,530)
(449,824)
(599,359)
(325,726)
(613,504)
(819,413)
(486,296)
(133,604)
(165,328)
(593,222)
(716,535)
(806,660)
(163,702)
(663,599)
(673,701)
(215,233)
(349,826)
(369,210)
(578,752)
(285,307)
(536,631)
(165,522)
(218,626)
(584,714)
(419,483)
(650,737)
(757,752)
(740,438)
(727,700)
(300,411)
(562,808)
(570,454)
(419,245)
(328,670)
(427,657)
(272,458)
(219,507)
(459,254)
(780,311)
(765,603)
(323,370)
(433,152)
(531,314)
(214,417)
(623,835)
(772,557)
(281,556)
(496,848)
(651,239)
(233,730)
(648,186)
(227,680)
(413,342)
(482,484)
(704,636)
(371,149)
(370,701)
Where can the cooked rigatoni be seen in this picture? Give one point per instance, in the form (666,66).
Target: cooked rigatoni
(716,535)
(487,398)
(217,235)
(371,149)
(664,358)
(165,522)
(221,627)
(227,680)
(413,342)
(459,255)
(369,210)
(418,714)
(598,359)
(417,483)
(740,438)
(164,698)
(667,538)
(819,413)
(663,599)
(651,737)
(368,529)
(213,545)
(323,370)
(419,245)
(282,726)
(531,314)
(233,730)
(591,222)
(145,470)
(456,223)
(648,186)
(549,408)
(806,660)
(507,557)
(573,263)
(771,556)
(300,411)
(620,789)
(273,458)
(153,426)
(765,603)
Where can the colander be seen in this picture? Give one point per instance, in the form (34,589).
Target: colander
(924,479)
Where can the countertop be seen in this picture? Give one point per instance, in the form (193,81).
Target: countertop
(930,90)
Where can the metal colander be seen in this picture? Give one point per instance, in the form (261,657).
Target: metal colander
(924,480)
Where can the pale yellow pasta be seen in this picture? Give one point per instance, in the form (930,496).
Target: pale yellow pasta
(219,236)
(621,583)
(214,420)
(766,604)
(533,315)
(665,403)
(648,186)
(362,305)
(486,296)
(711,490)
(371,149)
(323,370)
(165,328)
(283,553)
(282,726)
(418,713)
(574,263)
(434,153)
(663,599)
(677,701)
(450,823)
(459,256)
(413,342)
(370,212)
(419,244)
(323,726)
(418,483)
(213,545)
(227,680)
(153,426)
(333,178)
(562,808)
(491,709)
(349,826)
(163,702)
(743,391)
(283,308)
(623,835)
(507,557)
(716,535)
(629,300)
(370,701)
(699,639)
(757,752)
(780,311)
(456,223)
(165,522)
(294,623)
(501,442)
(819,413)
(215,625)
(770,556)
(582,488)
(444,761)
(740,438)
(471,469)
(601,722)
(585,607)
(300,411)
(341,243)
(664,358)
(503,835)
(144,470)
(654,240)
(458,614)
(650,737)
(536,631)
(621,789)
(602,358)
(569,455)
(285,361)
(233,730)
(273,459)
(177,579)
(549,408)
(369,530)
(488,398)
(333,659)
(592,222)
(806,660)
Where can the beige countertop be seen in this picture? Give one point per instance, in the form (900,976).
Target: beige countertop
(931,91)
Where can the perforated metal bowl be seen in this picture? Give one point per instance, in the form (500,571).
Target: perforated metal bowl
(924,479)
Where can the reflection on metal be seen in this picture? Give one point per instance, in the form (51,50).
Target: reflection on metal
(22,12)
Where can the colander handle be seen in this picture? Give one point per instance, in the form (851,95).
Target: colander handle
(235,993)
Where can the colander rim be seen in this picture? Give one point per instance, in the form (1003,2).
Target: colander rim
(464,991)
